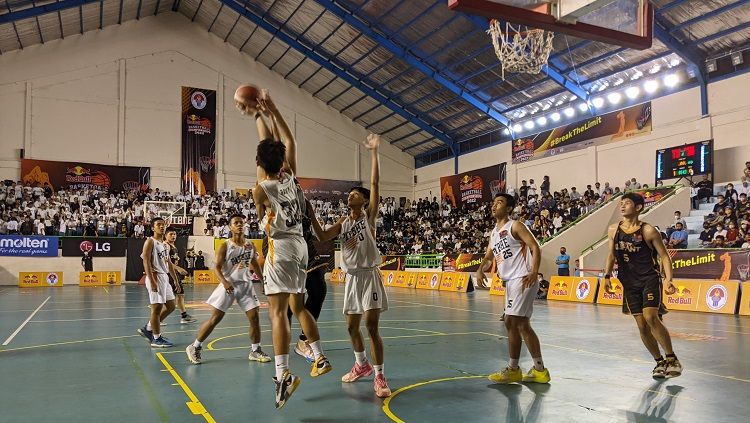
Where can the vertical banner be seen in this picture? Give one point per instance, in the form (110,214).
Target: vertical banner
(479,185)
(198,140)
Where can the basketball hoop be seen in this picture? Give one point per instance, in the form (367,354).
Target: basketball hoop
(205,163)
(520,49)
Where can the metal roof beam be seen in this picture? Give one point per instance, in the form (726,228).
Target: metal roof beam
(669,6)
(42,10)
(411,59)
(708,15)
(704,40)
(418,144)
(332,65)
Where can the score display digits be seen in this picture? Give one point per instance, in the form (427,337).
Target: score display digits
(685,161)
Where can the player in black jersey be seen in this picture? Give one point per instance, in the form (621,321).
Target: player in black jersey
(636,246)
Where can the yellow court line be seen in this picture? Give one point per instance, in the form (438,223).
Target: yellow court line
(195,406)
(387,402)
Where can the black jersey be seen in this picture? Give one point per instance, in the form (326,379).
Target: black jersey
(636,260)
(314,260)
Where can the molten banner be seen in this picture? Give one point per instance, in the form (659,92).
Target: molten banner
(716,264)
(77,175)
(612,127)
(198,140)
(476,186)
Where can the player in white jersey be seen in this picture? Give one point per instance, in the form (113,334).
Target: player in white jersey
(158,268)
(364,294)
(281,203)
(234,259)
(517,255)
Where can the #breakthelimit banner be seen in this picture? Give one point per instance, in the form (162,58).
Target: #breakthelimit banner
(198,140)
(78,175)
(711,263)
(479,185)
(608,128)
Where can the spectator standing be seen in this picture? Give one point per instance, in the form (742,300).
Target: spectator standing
(545,186)
(562,261)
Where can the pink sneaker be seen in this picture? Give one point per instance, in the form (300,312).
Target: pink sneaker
(381,386)
(357,372)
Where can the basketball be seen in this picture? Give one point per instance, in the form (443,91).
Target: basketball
(247,94)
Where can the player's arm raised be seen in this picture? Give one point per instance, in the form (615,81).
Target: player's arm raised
(486,260)
(521,232)
(259,198)
(372,143)
(148,265)
(610,263)
(221,258)
(285,134)
(653,237)
(327,234)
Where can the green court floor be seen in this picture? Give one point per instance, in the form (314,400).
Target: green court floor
(77,358)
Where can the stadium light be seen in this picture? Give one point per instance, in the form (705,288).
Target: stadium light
(541,121)
(529,124)
(506,131)
(651,86)
(517,127)
(569,112)
(583,107)
(632,92)
(671,80)
(655,69)
(614,98)
(555,117)
(597,102)
(674,62)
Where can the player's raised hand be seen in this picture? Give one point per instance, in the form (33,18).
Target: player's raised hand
(372,142)
(266,104)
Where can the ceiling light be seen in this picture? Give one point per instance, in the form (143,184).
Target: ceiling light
(569,112)
(655,69)
(632,92)
(636,75)
(614,98)
(517,127)
(651,86)
(555,116)
(597,102)
(506,131)
(529,124)
(583,107)
(546,106)
(737,58)
(674,62)
(711,65)
(619,81)
(671,80)
(541,121)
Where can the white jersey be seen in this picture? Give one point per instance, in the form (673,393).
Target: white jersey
(358,247)
(160,257)
(237,262)
(513,256)
(284,216)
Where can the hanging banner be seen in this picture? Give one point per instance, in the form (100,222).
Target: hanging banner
(96,247)
(198,140)
(716,264)
(327,189)
(479,185)
(612,127)
(78,175)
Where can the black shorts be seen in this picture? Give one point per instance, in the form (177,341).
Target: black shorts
(174,286)
(638,297)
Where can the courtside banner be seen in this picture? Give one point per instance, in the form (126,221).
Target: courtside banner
(198,140)
(204,277)
(476,186)
(745,299)
(462,262)
(28,246)
(455,282)
(105,278)
(703,295)
(391,263)
(97,247)
(389,277)
(40,279)
(612,127)
(614,298)
(429,280)
(79,175)
(338,276)
(719,264)
(572,288)
(497,287)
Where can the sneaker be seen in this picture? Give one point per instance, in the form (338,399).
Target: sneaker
(258,355)
(303,350)
(146,333)
(193,354)
(381,386)
(162,342)
(285,388)
(536,376)
(660,371)
(357,372)
(162,323)
(674,367)
(188,319)
(502,318)
(507,375)
(320,366)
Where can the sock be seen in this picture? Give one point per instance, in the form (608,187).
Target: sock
(282,365)
(183,314)
(148,325)
(513,363)
(302,337)
(659,359)
(361,357)
(157,335)
(255,347)
(378,369)
(539,364)
(317,351)
(197,343)
(672,356)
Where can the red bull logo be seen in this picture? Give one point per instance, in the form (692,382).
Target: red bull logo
(83,176)
(716,297)
(30,280)
(683,296)
(560,289)
(616,292)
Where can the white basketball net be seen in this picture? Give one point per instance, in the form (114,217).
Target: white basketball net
(520,51)
(173,212)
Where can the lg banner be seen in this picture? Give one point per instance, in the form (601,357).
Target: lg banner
(77,175)
(476,186)
(198,140)
(97,247)
(28,246)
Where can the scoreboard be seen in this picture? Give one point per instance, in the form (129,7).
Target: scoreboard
(685,161)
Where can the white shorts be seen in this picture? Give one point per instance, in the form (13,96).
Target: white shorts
(519,301)
(243,293)
(364,290)
(285,269)
(164,293)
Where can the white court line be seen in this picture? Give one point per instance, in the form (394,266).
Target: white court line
(13,335)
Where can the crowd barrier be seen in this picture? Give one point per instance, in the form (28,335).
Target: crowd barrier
(436,280)
(40,279)
(100,278)
(571,288)
(204,277)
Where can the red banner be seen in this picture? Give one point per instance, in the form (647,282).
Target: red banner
(326,189)
(392,263)
(77,175)
(462,262)
(198,140)
(476,186)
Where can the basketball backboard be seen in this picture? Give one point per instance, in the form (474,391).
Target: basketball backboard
(628,23)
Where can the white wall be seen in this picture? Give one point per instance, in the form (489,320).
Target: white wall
(113,97)
(70,266)
(676,120)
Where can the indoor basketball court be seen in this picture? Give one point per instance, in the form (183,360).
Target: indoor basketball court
(118,114)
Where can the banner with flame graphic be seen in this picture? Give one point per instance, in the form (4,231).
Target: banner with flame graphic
(476,186)
(77,175)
